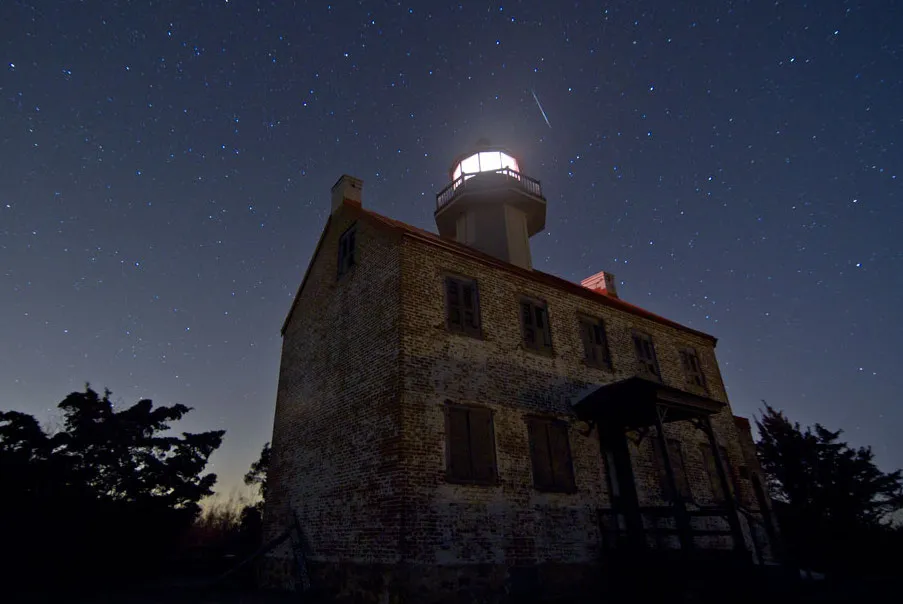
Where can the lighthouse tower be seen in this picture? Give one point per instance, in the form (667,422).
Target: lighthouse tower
(491,205)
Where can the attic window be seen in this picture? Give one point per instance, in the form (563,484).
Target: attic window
(347,250)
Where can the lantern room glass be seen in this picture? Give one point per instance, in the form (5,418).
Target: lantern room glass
(484,161)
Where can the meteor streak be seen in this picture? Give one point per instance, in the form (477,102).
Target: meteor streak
(541,110)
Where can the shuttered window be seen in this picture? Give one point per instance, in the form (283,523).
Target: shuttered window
(647,362)
(678,466)
(692,369)
(535,325)
(462,306)
(470,444)
(550,452)
(595,342)
(347,250)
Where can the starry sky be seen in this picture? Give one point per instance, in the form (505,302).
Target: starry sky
(165,169)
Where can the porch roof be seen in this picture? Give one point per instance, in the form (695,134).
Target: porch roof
(633,403)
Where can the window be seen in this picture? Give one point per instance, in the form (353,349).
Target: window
(645,355)
(595,343)
(678,466)
(711,469)
(470,444)
(462,307)
(535,323)
(692,368)
(347,250)
(551,455)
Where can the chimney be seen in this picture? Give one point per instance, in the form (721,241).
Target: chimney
(346,188)
(603,283)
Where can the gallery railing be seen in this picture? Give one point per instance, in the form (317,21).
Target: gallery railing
(466,181)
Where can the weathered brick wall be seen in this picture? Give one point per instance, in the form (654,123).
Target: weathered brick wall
(359,434)
(512,522)
(336,429)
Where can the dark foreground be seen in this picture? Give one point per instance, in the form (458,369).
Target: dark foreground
(829,592)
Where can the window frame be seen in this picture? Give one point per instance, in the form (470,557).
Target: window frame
(474,331)
(642,363)
(343,266)
(450,475)
(543,336)
(694,378)
(557,484)
(584,320)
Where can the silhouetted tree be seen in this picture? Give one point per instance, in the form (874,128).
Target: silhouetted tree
(112,490)
(252,515)
(257,475)
(831,499)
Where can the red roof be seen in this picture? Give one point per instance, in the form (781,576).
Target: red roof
(534,275)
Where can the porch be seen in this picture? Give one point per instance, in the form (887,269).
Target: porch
(642,408)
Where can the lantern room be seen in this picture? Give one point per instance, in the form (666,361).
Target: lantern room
(491,205)
(482,161)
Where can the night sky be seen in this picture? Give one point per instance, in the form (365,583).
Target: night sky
(165,171)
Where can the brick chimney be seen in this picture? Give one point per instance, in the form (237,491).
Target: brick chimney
(346,188)
(601,282)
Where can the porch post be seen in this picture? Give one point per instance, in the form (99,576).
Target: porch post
(677,502)
(732,518)
(628,503)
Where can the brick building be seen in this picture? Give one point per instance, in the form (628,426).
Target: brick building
(452,423)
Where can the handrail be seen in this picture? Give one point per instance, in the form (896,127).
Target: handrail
(663,512)
(522,181)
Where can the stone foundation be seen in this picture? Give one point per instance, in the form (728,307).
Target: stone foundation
(487,583)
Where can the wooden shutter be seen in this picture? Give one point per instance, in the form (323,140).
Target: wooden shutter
(471,307)
(729,471)
(458,443)
(645,354)
(540,454)
(482,445)
(453,304)
(675,452)
(346,250)
(542,325)
(529,326)
(692,369)
(586,336)
(659,460)
(601,341)
(562,470)
(712,471)
(351,247)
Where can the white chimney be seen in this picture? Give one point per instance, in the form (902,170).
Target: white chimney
(346,188)
(601,282)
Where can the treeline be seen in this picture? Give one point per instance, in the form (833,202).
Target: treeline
(114,496)
(109,498)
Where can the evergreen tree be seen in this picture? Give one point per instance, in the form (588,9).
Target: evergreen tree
(831,499)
